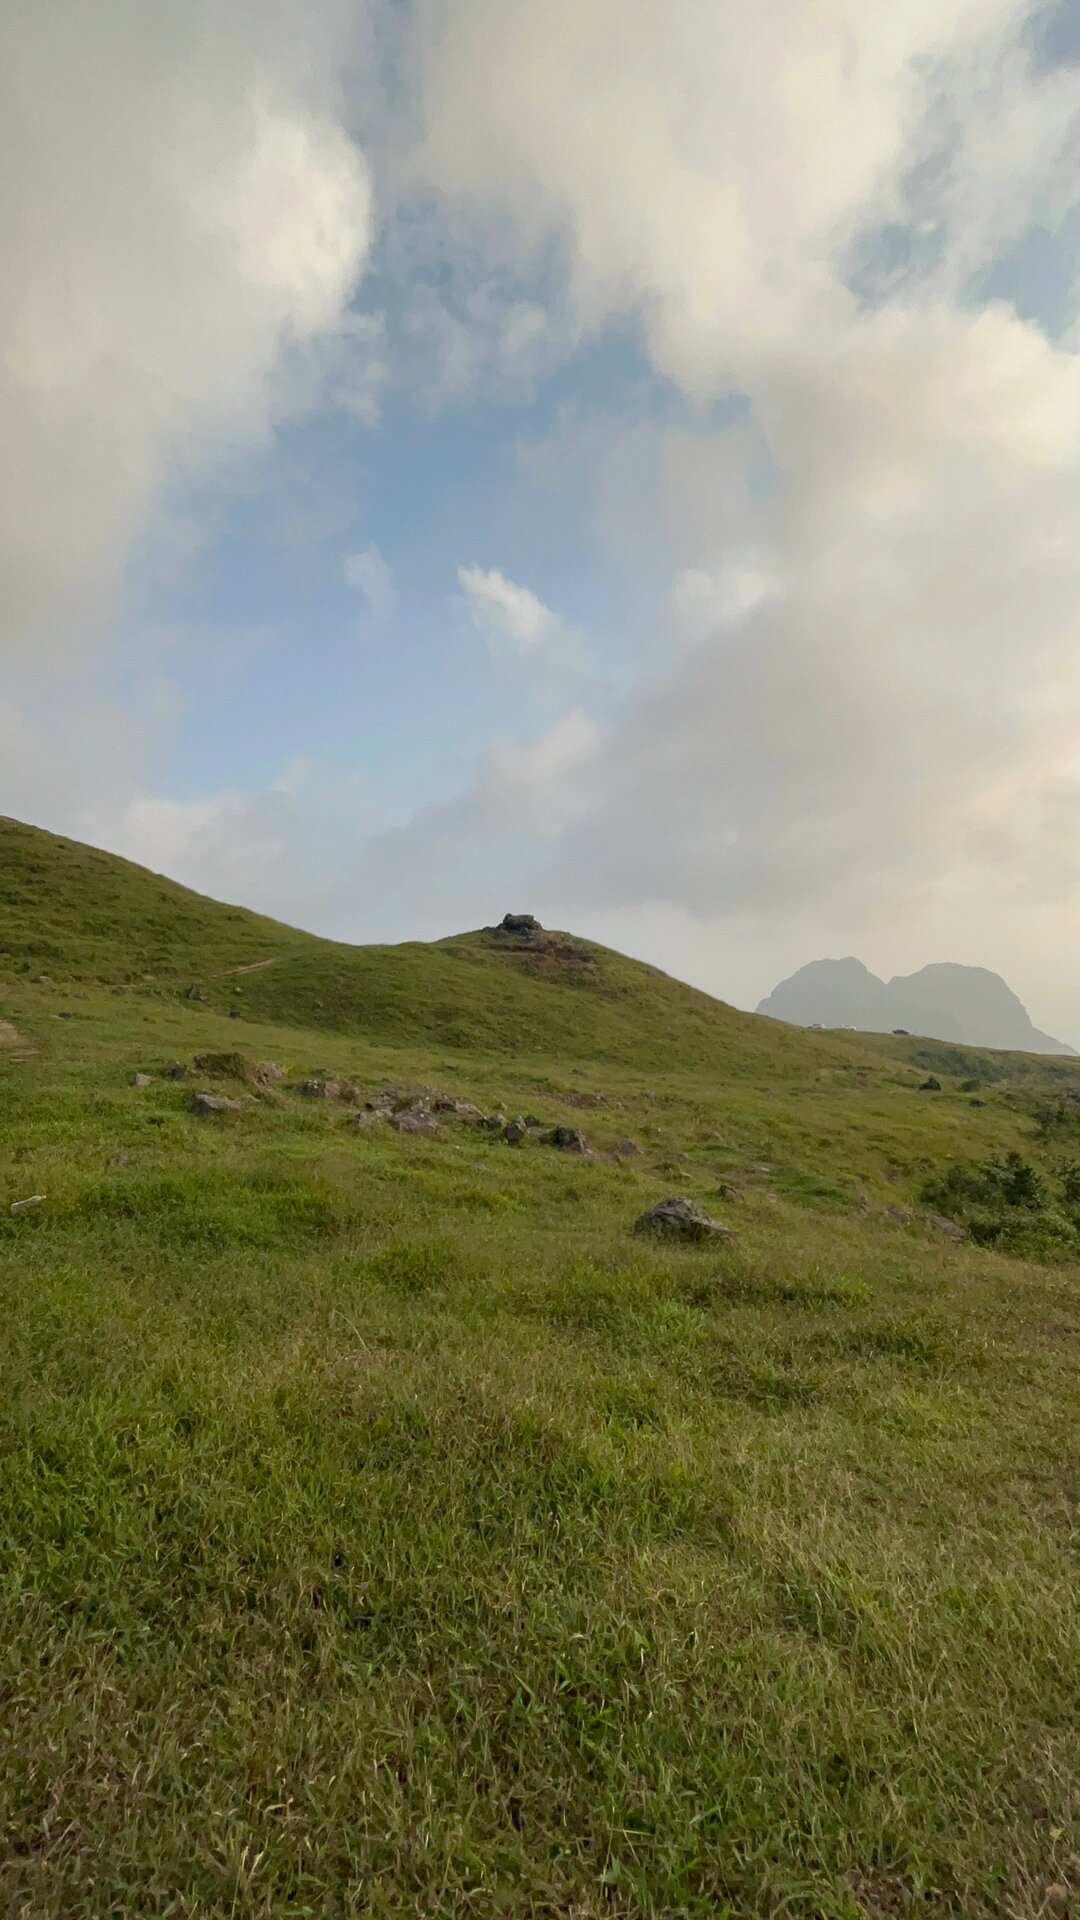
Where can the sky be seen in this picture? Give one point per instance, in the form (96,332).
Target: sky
(619,463)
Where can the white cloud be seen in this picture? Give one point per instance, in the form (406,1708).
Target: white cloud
(520,631)
(853,494)
(186,215)
(369,575)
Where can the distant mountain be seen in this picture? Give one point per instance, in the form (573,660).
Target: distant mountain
(941,1002)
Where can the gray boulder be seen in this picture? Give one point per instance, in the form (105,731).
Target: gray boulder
(516,1133)
(682,1219)
(938,1223)
(368,1117)
(518,923)
(568,1139)
(460,1109)
(494,1123)
(203,1102)
(418,1119)
(320,1089)
(933,1085)
(141,1080)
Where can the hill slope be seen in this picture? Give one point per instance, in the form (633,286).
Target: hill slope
(80,915)
(943,1001)
(390,1529)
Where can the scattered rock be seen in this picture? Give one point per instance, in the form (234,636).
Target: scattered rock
(267,1073)
(461,1109)
(119,1160)
(902,1215)
(141,1080)
(494,1123)
(368,1117)
(627,1148)
(175,1071)
(568,1139)
(930,1086)
(938,1223)
(194,993)
(203,1102)
(683,1219)
(532,1121)
(516,1133)
(21,1206)
(518,923)
(320,1089)
(418,1119)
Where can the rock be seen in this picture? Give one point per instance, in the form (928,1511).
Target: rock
(627,1148)
(568,1139)
(418,1119)
(203,1102)
(978,1103)
(683,1219)
(518,923)
(368,1117)
(267,1073)
(532,1121)
(902,1215)
(461,1109)
(320,1089)
(516,1133)
(141,1080)
(494,1123)
(194,993)
(177,1071)
(938,1223)
(930,1086)
(234,1013)
(20,1206)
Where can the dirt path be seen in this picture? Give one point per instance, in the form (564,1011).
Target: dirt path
(255,966)
(11,1037)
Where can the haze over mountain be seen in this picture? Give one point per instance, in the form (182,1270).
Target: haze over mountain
(943,1001)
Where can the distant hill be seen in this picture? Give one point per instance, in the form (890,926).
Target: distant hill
(969,1005)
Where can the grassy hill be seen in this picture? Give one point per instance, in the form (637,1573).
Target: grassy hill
(388,1530)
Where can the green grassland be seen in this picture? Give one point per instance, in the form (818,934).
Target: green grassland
(386,1529)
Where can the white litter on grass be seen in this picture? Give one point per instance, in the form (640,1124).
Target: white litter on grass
(35,1200)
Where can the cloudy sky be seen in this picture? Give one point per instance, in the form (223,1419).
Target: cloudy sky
(620,462)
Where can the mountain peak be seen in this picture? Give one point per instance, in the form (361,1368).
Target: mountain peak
(942,1001)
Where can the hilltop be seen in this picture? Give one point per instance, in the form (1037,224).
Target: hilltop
(390,1528)
(942,1001)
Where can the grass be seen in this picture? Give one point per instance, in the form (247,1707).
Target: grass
(386,1530)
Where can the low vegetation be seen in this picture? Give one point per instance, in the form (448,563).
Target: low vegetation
(387,1529)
